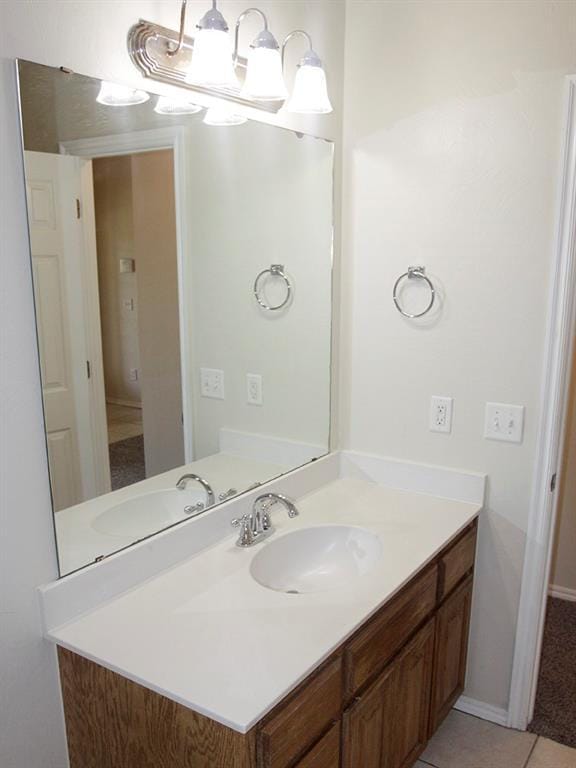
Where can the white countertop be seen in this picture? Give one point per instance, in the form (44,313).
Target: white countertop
(208,636)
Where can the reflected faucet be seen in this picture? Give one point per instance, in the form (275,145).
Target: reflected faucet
(181,485)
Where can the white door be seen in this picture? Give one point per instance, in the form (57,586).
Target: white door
(50,183)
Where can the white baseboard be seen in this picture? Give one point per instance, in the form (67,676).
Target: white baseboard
(482,710)
(564,593)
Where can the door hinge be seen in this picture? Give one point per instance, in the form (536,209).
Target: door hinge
(553,483)
(78,213)
(88,369)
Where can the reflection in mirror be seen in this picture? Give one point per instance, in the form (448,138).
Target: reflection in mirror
(182,283)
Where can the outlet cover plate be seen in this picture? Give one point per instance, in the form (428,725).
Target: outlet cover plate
(212,383)
(441,414)
(504,421)
(254,389)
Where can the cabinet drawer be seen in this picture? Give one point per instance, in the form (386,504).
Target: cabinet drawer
(297,724)
(326,754)
(457,561)
(369,651)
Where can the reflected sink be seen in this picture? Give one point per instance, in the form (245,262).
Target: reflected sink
(148,513)
(316,559)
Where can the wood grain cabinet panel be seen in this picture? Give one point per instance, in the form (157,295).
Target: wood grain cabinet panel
(452,625)
(457,562)
(326,754)
(387,726)
(307,714)
(385,634)
(112,722)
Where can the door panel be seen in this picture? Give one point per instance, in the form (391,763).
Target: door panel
(48,179)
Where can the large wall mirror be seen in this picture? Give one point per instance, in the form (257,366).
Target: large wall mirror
(182,277)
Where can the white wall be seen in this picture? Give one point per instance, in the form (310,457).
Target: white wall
(88,36)
(452,134)
(259,196)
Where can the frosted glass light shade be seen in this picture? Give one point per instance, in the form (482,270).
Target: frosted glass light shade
(264,80)
(212,63)
(310,94)
(222,117)
(166,105)
(114,95)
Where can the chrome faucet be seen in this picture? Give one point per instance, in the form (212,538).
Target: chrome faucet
(181,485)
(258,525)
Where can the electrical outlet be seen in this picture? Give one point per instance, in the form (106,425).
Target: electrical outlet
(133,374)
(441,414)
(254,389)
(504,422)
(212,383)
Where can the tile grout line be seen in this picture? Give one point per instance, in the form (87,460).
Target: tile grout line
(531,751)
(435,766)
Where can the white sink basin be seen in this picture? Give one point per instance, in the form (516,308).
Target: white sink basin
(148,513)
(316,559)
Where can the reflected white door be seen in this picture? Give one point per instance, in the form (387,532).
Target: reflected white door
(52,200)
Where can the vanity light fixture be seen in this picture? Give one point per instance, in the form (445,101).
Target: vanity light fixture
(218,116)
(310,93)
(264,79)
(167,105)
(208,64)
(115,95)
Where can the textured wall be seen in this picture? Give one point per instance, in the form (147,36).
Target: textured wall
(452,135)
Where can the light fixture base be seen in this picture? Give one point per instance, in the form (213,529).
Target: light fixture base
(149,45)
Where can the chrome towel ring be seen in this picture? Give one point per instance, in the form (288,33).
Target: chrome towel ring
(276,270)
(414,273)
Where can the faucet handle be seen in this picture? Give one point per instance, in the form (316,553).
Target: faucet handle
(246,537)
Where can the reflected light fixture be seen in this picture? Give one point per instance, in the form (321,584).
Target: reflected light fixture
(220,116)
(167,105)
(115,95)
(310,92)
(207,63)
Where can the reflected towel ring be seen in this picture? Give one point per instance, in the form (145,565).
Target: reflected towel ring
(414,273)
(276,270)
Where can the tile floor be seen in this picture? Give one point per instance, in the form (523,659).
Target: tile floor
(463,741)
(123,422)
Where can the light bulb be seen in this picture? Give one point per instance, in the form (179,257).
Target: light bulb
(264,79)
(310,94)
(166,105)
(217,116)
(114,95)
(212,63)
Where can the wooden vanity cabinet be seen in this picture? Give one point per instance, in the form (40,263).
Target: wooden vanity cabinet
(373,704)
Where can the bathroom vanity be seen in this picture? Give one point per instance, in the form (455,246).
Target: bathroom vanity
(355,677)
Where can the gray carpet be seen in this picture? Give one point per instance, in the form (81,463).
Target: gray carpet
(127,462)
(555,712)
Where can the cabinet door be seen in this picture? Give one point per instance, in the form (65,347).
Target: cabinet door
(387,727)
(412,698)
(326,754)
(367,723)
(452,623)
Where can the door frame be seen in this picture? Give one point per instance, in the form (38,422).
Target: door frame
(173,138)
(553,407)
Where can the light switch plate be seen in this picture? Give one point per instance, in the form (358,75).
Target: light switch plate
(504,421)
(441,414)
(212,383)
(254,389)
